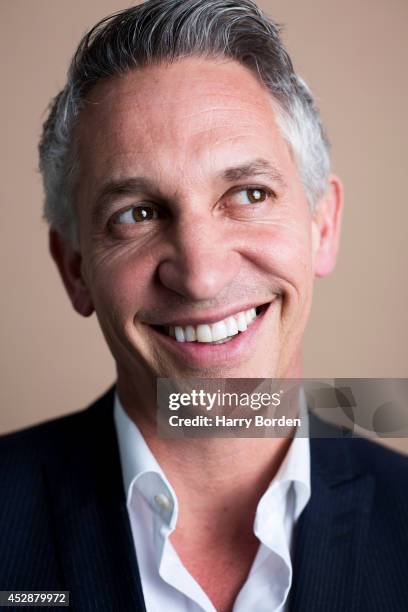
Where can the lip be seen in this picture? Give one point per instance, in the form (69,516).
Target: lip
(206,318)
(203,355)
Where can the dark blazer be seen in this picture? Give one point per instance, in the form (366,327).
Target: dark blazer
(64,524)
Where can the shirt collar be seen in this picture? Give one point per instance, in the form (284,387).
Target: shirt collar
(135,455)
(141,470)
(295,468)
(138,460)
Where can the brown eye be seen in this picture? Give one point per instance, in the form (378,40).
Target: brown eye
(256,195)
(143,213)
(252,195)
(136,214)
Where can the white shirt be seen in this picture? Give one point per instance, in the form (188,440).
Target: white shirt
(153,508)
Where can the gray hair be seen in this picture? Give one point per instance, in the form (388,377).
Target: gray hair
(162,31)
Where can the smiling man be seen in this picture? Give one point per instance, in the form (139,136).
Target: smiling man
(191,206)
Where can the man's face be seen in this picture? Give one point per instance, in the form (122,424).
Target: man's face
(191,210)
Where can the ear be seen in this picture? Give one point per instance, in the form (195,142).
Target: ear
(69,262)
(326,225)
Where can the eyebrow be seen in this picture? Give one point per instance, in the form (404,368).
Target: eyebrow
(122,187)
(132,185)
(256,167)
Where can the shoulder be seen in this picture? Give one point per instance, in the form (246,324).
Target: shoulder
(378,459)
(389,472)
(24,450)
(334,445)
(341,457)
(38,466)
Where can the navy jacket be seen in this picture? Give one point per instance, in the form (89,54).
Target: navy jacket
(64,524)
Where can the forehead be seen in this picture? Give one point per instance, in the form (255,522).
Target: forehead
(179,119)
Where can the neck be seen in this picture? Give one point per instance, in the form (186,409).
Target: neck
(218,483)
(223,477)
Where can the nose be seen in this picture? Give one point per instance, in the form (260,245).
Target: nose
(201,261)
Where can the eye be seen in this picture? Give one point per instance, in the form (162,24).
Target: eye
(136,214)
(251,195)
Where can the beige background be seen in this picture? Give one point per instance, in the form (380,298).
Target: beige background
(354,56)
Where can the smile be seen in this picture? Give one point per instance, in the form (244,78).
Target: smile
(218,332)
(212,341)
(212,332)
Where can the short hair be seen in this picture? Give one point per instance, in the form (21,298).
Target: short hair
(160,31)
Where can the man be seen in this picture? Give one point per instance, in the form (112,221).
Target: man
(191,205)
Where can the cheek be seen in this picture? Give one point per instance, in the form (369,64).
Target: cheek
(285,251)
(120,285)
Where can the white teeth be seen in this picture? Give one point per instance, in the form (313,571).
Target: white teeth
(179,331)
(219,331)
(242,322)
(216,332)
(232,328)
(203,333)
(190,333)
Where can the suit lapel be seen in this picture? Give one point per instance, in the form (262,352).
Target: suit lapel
(91,521)
(331,534)
(95,541)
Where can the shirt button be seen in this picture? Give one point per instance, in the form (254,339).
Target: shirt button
(162,501)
